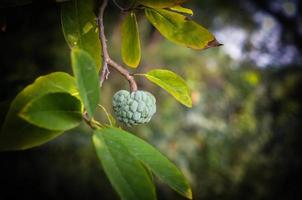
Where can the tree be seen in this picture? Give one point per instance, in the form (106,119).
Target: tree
(58,102)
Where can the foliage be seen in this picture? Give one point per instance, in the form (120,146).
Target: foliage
(80,27)
(18,134)
(131,49)
(172,83)
(59,102)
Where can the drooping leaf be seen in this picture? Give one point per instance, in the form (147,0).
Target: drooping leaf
(131,49)
(53,111)
(87,79)
(16,133)
(126,174)
(180,30)
(161,3)
(172,83)
(80,27)
(164,169)
(181,9)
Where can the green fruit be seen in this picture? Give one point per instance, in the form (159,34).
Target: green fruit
(135,108)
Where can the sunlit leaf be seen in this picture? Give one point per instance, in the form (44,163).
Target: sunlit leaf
(16,133)
(53,111)
(161,3)
(164,169)
(126,174)
(87,79)
(80,27)
(181,9)
(180,30)
(131,50)
(172,83)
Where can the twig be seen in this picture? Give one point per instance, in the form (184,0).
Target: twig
(87,120)
(105,70)
(106,58)
(125,73)
(93,124)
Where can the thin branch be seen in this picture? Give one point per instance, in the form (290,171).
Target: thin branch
(93,124)
(106,58)
(105,70)
(125,73)
(87,120)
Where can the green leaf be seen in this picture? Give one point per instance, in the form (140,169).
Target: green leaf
(152,159)
(172,83)
(53,111)
(161,3)
(16,133)
(181,9)
(87,79)
(131,49)
(127,175)
(80,27)
(180,30)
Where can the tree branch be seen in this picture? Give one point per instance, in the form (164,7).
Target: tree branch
(105,70)
(106,58)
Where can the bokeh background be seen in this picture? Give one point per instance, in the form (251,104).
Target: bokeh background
(242,138)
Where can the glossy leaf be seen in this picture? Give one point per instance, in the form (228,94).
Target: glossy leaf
(152,159)
(181,30)
(87,79)
(126,174)
(16,133)
(181,9)
(161,3)
(80,27)
(131,49)
(53,111)
(172,83)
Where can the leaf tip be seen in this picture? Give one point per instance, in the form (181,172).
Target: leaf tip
(189,194)
(189,105)
(213,43)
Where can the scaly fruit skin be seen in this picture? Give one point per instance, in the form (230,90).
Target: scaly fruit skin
(135,108)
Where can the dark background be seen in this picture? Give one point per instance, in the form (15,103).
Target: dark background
(241,139)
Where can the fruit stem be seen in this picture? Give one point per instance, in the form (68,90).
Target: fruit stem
(106,58)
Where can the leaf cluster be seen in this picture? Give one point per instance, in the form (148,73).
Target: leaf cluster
(58,102)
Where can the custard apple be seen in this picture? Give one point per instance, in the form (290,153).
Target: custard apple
(135,108)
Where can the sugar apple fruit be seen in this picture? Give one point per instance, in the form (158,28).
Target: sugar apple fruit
(133,108)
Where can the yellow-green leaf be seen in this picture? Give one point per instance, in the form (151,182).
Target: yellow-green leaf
(80,27)
(54,111)
(87,79)
(180,30)
(161,3)
(181,9)
(131,49)
(127,175)
(172,83)
(152,159)
(16,133)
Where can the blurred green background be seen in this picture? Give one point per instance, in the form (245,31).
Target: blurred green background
(241,140)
